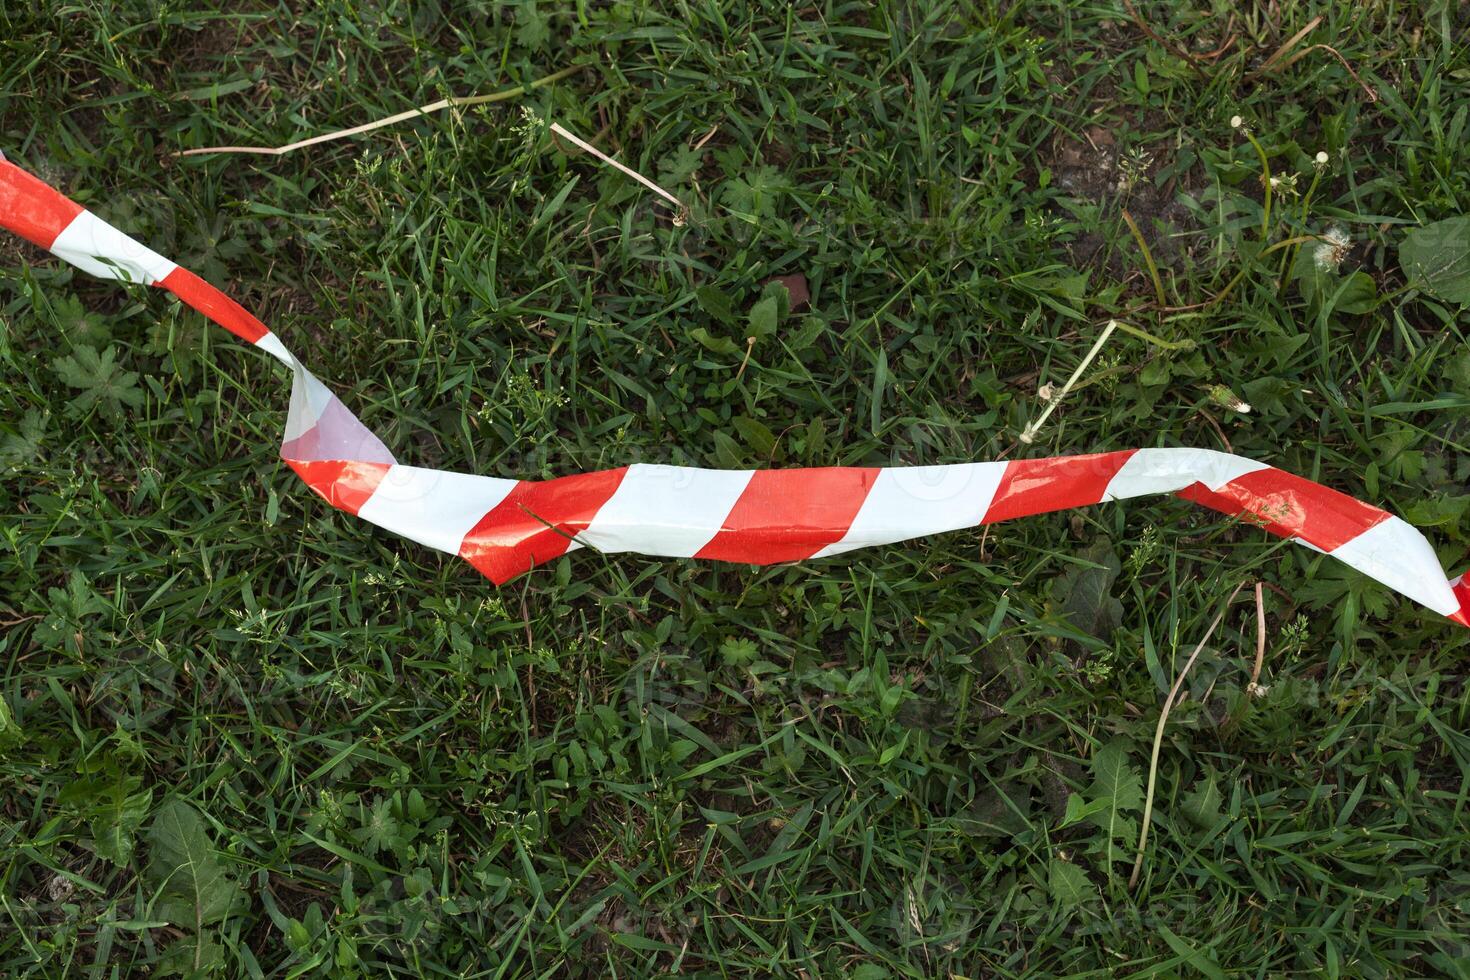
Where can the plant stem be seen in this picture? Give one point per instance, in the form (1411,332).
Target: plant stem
(1235,280)
(1142,334)
(1029,433)
(1265,183)
(1290,257)
(1148,258)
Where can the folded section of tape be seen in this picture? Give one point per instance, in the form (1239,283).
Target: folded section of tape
(506,527)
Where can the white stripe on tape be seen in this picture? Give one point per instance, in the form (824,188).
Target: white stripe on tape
(1154,471)
(93,245)
(911,501)
(665,510)
(433,507)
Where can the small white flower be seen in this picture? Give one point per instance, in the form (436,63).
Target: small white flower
(1236,122)
(1332,249)
(1257,690)
(1045,392)
(1321,158)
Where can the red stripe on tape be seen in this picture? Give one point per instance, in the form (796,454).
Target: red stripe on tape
(1462,592)
(514,536)
(31,209)
(345,484)
(1037,486)
(1200,494)
(788,515)
(1292,507)
(213,304)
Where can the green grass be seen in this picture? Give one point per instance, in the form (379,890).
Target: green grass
(224,704)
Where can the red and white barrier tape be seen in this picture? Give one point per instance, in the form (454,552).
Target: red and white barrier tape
(507,527)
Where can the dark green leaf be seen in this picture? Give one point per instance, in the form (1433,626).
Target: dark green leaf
(193,886)
(1084,591)
(756,435)
(716,303)
(1436,258)
(1201,805)
(1068,884)
(1358,295)
(764,316)
(720,345)
(116,820)
(100,381)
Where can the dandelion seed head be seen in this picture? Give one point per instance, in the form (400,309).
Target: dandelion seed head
(1332,249)
(1225,398)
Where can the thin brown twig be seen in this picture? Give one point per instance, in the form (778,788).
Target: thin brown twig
(1291,42)
(1271,66)
(1198,60)
(1254,687)
(1213,56)
(582,144)
(1368,90)
(707,137)
(1169,702)
(749,346)
(1218,431)
(423,110)
(530,662)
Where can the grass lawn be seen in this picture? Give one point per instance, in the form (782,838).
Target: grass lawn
(244,734)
